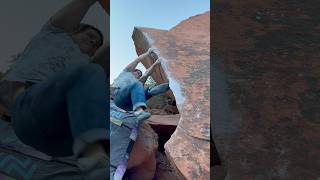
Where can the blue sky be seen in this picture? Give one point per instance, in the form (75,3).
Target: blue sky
(160,14)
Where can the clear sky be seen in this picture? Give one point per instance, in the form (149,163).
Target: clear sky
(160,14)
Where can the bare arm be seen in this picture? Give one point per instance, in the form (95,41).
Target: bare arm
(69,17)
(148,72)
(134,64)
(102,57)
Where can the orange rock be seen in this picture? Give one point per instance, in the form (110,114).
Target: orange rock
(142,162)
(186,65)
(266,65)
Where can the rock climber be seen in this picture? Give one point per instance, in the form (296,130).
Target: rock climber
(128,90)
(56,92)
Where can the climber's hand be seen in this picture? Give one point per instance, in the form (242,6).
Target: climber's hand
(150,50)
(153,53)
(158,61)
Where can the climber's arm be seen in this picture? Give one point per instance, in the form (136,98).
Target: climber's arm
(131,67)
(149,71)
(101,57)
(69,17)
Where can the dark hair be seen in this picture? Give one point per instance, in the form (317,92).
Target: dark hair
(84,27)
(139,71)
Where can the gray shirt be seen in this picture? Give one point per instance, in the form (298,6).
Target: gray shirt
(51,51)
(125,78)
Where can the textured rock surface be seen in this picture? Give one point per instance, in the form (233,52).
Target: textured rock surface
(164,126)
(170,120)
(266,90)
(142,162)
(185,49)
(160,104)
(164,170)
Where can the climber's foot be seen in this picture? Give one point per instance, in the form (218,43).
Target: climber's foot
(141,115)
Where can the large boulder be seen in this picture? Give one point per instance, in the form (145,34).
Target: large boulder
(186,66)
(266,93)
(164,126)
(164,170)
(142,162)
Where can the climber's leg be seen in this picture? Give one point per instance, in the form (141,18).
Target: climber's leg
(131,97)
(65,114)
(162,88)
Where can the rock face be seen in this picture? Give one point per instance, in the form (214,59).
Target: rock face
(164,126)
(186,65)
(164,171)
(266,90)
(142,162)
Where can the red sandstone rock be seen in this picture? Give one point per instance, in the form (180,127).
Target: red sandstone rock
(164,126)
(164,170)
(142,162)
(186,65)
(266,94)
(170,120)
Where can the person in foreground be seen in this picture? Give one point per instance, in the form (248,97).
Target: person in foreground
(57,91)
